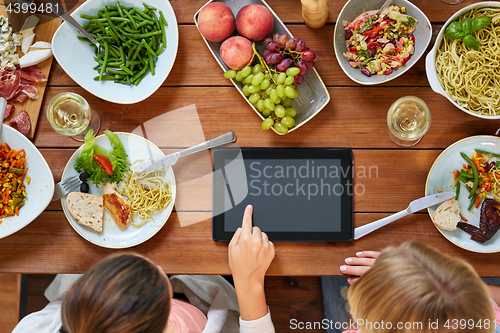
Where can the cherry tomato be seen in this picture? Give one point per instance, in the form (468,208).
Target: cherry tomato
(104,163)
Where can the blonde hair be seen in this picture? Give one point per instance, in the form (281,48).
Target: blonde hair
(415,283)
(124,293)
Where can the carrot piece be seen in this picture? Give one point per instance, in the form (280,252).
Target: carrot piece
(457,173)
(463,218)
(17,211)
(477,202)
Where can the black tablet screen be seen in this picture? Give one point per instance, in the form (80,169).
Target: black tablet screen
(298,194)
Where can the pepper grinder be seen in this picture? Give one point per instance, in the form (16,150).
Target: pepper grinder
(315,13)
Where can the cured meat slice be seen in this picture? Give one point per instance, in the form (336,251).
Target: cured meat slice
(20,97)
(8,111)
(9,83)
(32,73)
(22,121)
(489,222)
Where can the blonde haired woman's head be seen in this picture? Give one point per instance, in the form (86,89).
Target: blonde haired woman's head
(415,288)
(124,293)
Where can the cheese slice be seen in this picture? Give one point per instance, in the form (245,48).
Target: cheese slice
(25,47)
(34,57)
(40,46)
(27,32)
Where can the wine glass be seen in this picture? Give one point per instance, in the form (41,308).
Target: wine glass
(408,120)
(452,2)
(70,114)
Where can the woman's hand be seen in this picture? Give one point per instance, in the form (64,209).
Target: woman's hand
(359,265)
(250,255)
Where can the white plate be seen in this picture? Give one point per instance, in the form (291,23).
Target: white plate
(441,176)
(77,57)
(112,236)
(41,188)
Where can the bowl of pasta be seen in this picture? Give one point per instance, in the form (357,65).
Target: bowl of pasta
(465,71)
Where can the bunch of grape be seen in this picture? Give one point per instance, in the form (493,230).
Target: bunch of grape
(284,52)
(271,94)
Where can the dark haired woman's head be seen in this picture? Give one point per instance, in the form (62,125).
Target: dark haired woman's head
(124,293)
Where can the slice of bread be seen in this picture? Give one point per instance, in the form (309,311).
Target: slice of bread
(87,209)
(447,215)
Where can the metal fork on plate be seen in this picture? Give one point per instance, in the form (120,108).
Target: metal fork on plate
(65,186)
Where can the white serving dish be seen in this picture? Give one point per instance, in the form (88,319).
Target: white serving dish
(76,57)
(39,191)
(313,95)
(430,60)
(353,9)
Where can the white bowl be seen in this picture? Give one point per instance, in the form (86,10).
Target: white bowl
(351,10)
(76,57)
(39,191)
(430,60)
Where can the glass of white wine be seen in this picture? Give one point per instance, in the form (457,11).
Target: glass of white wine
(70,114)
(408,120)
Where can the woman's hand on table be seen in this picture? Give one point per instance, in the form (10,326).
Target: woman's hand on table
(359,265)
(250,255)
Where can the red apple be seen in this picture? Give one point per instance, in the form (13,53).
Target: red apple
(254,22)
(236,52)
(216,21)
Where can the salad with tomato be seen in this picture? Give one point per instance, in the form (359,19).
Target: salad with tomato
(380,44)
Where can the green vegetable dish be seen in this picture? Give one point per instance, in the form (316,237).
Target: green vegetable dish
(86,162)
(464,28)
(132,38)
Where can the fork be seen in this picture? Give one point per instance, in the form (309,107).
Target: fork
(65,186)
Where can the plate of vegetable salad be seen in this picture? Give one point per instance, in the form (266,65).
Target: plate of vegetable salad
(471,168)
(140,40)
(373,49)
(26,182)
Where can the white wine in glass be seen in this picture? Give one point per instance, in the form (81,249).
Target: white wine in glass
(408,120)
(70,114)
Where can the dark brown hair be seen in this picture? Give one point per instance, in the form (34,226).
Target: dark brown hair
(124,293)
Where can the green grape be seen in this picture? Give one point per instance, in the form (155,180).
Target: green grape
(287,102)
(273,96)
(248,79)
(257,68)
(267,76)
(280,90)
(275,77)
(291,112)
(288,121)
(245,90)
(268,90)
(253,89)
(238,77)
(254,98)
(265,84)
(246,71)
(267,124)
(276,100)
(260,105)
(268,104)
(279,111)
(296,94)
(292,71)
(289,92)
(230,74)
(280,128)
(266,112)
(289,81)
(257,79)
(281,78)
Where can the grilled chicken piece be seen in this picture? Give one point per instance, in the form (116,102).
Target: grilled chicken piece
(118,207)
(489,222)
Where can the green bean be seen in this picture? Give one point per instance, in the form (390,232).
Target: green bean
(457,191)
(472,201)
(137,50)
(111,7)
(466,175)
(96,67)
(134,24)
(148,6)
(84,39)
(138,36)
(88,17)
(157,23)
(484,152)
(113,27)
(162,19)
(163,36)
(106,54)
(145,22)
(476,173)
(104,78)
(147,17)
(119,8)
(138,75)
(463,179)
(162,47)
(122,54)
(115,71)
(126,70)
(150,51)
(151,64)
(86,25)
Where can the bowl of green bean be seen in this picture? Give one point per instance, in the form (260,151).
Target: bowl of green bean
(139,44)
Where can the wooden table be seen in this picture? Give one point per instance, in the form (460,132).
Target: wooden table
(355,118)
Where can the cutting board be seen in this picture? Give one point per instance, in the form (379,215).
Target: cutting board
(44,31)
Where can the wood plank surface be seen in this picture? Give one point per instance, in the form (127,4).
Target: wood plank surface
(10,287)
(44,31)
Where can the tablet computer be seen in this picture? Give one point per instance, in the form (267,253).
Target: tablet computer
(298,195)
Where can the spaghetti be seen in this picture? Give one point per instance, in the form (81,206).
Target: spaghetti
(471,78)
(147,192)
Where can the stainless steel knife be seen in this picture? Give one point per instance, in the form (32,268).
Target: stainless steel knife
(171,159)
(414,206)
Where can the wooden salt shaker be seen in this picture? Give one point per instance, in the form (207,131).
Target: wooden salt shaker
(315,13)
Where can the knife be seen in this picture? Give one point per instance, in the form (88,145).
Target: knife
(171,159)
(414,206)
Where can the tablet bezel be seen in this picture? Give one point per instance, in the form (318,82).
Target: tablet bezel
(345,156)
